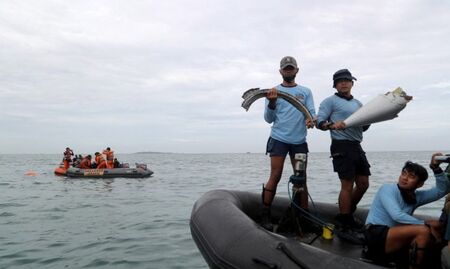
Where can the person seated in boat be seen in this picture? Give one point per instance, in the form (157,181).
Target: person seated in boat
(68,153)
(445,252)
(117,163)
(101,163)
(77,160)
(391,229)
(109,157)
(86,162)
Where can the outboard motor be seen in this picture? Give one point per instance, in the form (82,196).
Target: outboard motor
(141,165)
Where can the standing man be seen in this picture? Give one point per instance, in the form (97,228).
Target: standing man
(109,157)
(349,159)
(288,134)
(68,153)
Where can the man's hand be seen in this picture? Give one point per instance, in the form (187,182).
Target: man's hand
(339,125)
(436,229)
(272,94)
(310,123)
(434,164)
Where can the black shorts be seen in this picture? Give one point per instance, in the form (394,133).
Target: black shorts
(376,241)
(349,159)
(278,148)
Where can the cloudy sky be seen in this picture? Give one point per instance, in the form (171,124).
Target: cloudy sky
(168,75)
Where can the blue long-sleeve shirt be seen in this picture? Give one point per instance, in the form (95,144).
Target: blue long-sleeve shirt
(336,108)
(288,122)
(388,207)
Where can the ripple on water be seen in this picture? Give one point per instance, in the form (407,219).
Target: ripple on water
(7,214)
(89,246)
(5,205)
(25,261)
(13,255)
(57,245)
(51,260)
(96,263)
(125,263)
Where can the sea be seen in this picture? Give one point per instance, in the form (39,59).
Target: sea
(48,221)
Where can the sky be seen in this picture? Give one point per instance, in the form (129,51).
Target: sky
(168,76)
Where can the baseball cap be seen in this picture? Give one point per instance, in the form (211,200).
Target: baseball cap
(288,61)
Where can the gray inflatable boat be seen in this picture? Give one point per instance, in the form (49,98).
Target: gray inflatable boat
(137,172)
(225,225)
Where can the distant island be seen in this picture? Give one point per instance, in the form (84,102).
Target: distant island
(152,152)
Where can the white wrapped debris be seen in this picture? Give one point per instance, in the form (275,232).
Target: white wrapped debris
(383,107)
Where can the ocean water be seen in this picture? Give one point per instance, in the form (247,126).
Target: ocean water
(48,221)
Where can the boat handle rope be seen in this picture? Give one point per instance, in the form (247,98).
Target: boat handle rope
(283,248)
(307,214)
(266,263)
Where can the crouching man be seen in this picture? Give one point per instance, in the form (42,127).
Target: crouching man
(391,227)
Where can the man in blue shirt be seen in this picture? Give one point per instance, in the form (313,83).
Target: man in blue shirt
(445,253)
(288,134)
(390,224)
(349,159)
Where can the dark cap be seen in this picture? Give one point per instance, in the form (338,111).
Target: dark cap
(288,61)
(342,74)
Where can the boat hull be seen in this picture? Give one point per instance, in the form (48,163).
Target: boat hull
(224,225)
(104,173)
(109,173)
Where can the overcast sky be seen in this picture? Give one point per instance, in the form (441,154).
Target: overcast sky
(168,76)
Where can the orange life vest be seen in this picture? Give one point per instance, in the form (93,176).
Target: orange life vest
(99,159)
(85,164)
(109,155)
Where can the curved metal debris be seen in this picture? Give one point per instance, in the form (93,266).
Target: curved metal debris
(254,94)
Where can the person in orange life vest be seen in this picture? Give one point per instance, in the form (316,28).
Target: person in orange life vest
(101,163)
(109,157)
(86,162)
(67,157)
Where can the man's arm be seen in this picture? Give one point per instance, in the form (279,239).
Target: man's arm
(390,201)
(323,115)
(441,188)
(271,103)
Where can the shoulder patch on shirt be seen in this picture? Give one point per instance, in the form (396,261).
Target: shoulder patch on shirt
(300,96)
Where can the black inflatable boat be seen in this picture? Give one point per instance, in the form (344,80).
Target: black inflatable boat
(224,225)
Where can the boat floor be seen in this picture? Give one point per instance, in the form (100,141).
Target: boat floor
(345,243)
(337,245)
